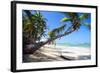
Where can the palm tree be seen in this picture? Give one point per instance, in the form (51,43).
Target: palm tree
(33,23)
(56,32)
(34,26)
(76,21)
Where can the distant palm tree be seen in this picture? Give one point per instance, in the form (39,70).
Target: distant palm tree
(75,19)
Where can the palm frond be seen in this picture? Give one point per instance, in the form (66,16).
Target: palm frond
(88,25)
(65,19)
(84,16)
(56,31)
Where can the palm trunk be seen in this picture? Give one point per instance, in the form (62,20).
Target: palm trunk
(41,44)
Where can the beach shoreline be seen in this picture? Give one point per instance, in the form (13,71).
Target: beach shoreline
(58,53)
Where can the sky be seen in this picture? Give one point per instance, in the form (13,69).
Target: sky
(80,36)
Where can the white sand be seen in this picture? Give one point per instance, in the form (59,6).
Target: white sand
(58,53)
(72,52)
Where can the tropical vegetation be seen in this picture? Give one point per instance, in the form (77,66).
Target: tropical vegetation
(35,26)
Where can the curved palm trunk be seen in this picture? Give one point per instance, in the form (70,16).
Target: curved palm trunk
(41,44)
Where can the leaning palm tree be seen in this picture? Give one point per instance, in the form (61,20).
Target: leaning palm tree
(56,32)
(76,21)
(32,22)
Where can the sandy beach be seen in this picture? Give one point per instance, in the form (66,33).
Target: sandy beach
(58,53)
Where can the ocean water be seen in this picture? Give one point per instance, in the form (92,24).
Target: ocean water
(84,45)
(82,53)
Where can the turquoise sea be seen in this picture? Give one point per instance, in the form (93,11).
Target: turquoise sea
(86,45)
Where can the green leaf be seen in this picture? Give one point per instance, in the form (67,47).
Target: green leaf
(88,25)
(57,31)
(65,19)
(84,16)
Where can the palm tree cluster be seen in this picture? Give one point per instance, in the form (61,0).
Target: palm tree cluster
(34,27)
